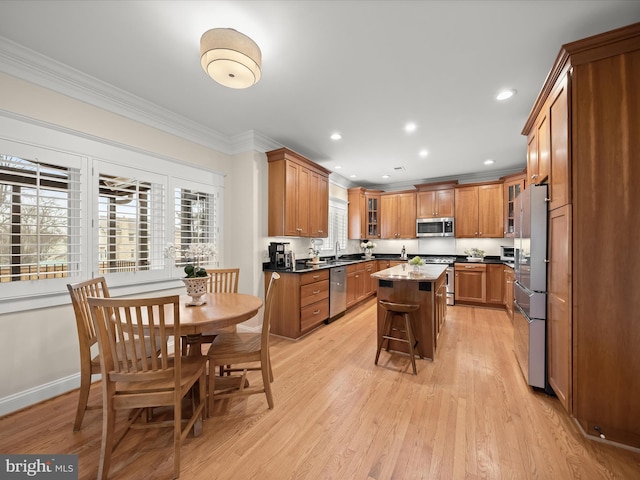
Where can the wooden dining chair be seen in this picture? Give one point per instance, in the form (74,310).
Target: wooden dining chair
(238,349)
(89,365)
(135,379)
(220,280)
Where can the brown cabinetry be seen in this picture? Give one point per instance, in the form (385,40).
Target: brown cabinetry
(592,108)
(559,304)
(298,196)
(495,283)
(435,201)
(301,302)
(360,285)
(398,215)
(383,264)
(440,306)
(470,283)
(513,185)
(479,211)
(364,213)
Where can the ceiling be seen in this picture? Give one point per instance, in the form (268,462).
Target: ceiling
(361,68)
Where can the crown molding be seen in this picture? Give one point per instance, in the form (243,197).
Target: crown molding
(31,66)
(477,177)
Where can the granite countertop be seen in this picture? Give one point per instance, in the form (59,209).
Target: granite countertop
(303,265)
(429,272)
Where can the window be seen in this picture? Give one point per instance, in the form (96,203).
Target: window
(68,217)
(130,222)
(195,220)
(39,220)
(338,221)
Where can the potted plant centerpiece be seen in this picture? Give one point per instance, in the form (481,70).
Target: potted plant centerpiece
(417,262)
(474,254)
(367,247)
(196,275)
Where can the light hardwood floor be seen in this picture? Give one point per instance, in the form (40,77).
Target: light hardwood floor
(466,415)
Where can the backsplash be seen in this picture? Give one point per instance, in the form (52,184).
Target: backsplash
(422,246)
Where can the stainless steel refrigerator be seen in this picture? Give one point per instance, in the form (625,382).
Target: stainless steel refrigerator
(530,291)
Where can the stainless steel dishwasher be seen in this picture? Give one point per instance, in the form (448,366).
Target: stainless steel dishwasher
(337,292)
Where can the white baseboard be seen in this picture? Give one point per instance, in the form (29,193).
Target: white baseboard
(26,398)
(43,392)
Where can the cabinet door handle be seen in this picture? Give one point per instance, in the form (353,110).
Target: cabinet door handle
(315,277)
(315,292)
(316,312)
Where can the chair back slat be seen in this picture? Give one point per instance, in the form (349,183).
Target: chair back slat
(79,292)
(224,280)
(131,331)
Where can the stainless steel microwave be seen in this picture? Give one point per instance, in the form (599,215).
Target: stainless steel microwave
(435,227)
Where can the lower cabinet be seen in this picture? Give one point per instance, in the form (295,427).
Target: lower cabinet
(471,282)
(440,305)
(490,284)
(495,283)
(360,285)
(301,302)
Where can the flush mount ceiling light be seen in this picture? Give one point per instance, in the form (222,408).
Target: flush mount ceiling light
(231,58)
(504,94)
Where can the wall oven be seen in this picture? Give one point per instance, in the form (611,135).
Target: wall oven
(435,227)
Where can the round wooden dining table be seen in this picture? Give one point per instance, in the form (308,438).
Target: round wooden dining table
(220,310)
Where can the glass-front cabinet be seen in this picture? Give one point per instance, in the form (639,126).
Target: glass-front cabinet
(513,185)
(372,215)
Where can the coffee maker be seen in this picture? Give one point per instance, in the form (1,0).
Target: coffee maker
(280,256)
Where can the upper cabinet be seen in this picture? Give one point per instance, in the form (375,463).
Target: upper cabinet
(364,213)
(298,196)
(479,210)
(513,185)
(398,215)
(435,200)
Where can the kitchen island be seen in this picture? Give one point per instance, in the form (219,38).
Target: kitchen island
(426,288)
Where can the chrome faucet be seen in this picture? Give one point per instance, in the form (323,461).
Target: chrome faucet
(337,250)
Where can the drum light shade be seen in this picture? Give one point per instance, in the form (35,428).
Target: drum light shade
(231,58)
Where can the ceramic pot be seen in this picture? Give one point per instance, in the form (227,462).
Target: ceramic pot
(196,288)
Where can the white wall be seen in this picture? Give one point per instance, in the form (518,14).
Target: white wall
(39,357)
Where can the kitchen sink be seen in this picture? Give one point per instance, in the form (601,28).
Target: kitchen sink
(339,262)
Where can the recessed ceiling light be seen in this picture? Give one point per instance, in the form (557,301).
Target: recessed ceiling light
(385,176)
(410,127)
(336,136)
(352,176)
(504,94)
(488,162)
(423,153)
(337,167)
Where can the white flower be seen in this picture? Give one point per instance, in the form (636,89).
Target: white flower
(367,245)
(193,254)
